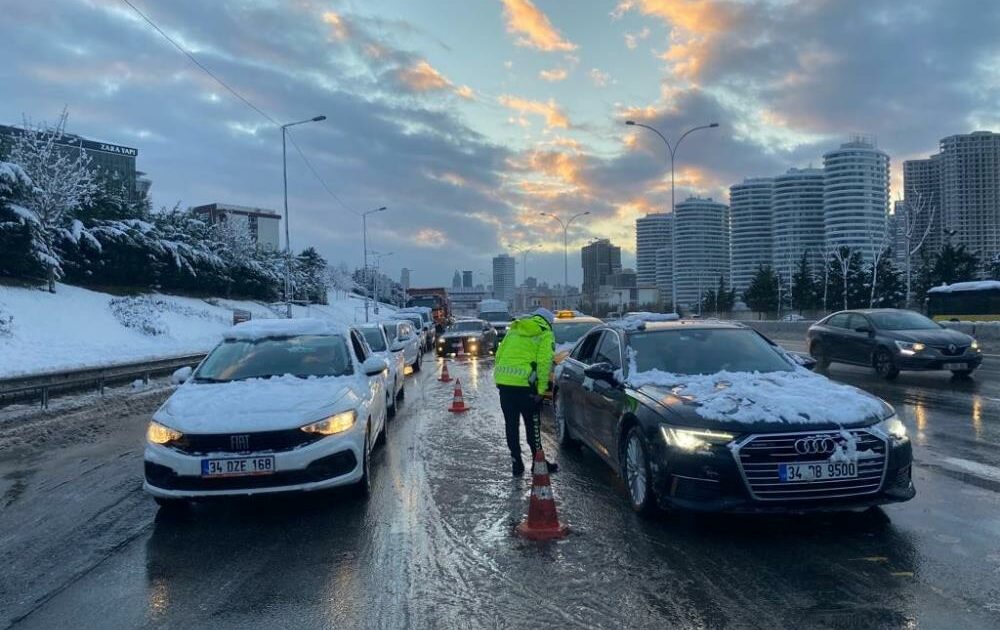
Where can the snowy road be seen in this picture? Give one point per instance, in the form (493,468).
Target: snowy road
(81,545)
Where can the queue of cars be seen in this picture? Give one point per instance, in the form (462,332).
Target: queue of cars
(693,414)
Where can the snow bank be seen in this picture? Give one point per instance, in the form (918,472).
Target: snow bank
(980,285)
(75,327)
(258,404)
(795,397)
(261,328)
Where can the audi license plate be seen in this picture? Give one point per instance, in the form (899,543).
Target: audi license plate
(237,466)
(956,366)
(817,471)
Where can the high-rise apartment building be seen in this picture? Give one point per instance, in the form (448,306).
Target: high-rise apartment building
(599,259)
(797,223)
(665,274)
(970,191)
(856,196)
(467,279)
(503,277)
(750,228)
(652,232)
(702,248)
(922,197)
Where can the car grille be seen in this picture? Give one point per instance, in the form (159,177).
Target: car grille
(948,352)
(259,442)
(760,456)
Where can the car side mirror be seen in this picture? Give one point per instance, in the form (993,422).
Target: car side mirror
(601,372)
(802,359)
(181,375)
(373,366)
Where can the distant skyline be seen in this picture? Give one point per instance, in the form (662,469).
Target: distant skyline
(469,119)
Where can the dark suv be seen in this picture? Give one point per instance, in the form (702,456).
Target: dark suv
(890,340)
(713,416)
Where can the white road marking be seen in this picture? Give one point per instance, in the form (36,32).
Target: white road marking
(975,468)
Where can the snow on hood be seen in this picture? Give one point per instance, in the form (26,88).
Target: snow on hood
(261,328)
(794,397)
(259,404)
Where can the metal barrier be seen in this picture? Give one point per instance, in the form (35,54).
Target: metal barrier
(47,383)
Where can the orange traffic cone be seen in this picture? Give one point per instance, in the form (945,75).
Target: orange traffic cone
(542,522)
(458,401)
(445,377)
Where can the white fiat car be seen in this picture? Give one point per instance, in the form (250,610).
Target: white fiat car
(279,405)
(378,342)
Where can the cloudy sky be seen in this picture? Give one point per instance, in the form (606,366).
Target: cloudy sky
(468,118)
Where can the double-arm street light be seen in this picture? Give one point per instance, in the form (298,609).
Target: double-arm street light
(672,148)
(364,232)
(565,226)
(288,245)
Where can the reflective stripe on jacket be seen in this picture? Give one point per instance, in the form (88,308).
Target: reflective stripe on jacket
(527,348)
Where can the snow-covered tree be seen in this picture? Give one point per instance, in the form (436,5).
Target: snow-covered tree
(341,279)
(909,215)
(846,278)
(63,182)
(311,280)
(16,225)
(882,246)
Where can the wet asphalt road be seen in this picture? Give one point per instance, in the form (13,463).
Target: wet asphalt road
(82,547)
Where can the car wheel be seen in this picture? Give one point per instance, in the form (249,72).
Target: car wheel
(363,487)
(384,433)
(416,364)
(885,365)
(637,475)
(816,352)
(390,403)
(961,373)
(563,433)
(401,396)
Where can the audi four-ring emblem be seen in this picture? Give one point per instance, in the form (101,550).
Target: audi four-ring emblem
(815,445)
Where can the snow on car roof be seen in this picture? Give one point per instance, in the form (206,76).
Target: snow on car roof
(262,328)
(980,285)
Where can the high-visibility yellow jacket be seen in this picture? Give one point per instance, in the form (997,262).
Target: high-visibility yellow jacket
(524,357)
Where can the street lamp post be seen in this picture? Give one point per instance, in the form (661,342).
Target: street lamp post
(673,218)
(364,232)
(284,178)
(565,227)
(524,272)
(378,263)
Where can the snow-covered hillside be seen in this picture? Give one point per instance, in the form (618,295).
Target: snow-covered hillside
(74,327)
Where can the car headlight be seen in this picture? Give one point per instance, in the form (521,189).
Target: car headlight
(693,439)
(160,434)
(905,347)
(975,345)
(892,427)
(337,423)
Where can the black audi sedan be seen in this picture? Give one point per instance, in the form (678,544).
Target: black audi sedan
(713,416)
(467,336)
(889,340)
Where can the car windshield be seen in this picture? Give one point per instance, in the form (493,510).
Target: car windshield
(415,320)
(390,332)
(705,351)
(496,316)
(472,326)
(902,320)
(571,331)
(302,356)
(374,338)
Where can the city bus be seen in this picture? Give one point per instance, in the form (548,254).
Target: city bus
(965,302)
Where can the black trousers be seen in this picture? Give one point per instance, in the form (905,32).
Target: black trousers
(518,404)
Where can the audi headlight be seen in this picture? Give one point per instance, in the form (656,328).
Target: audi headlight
(907,348)
(892,427)
(693,439)
(160,434)
(337,423)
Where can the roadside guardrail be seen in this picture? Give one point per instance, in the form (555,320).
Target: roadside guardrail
(45,384)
